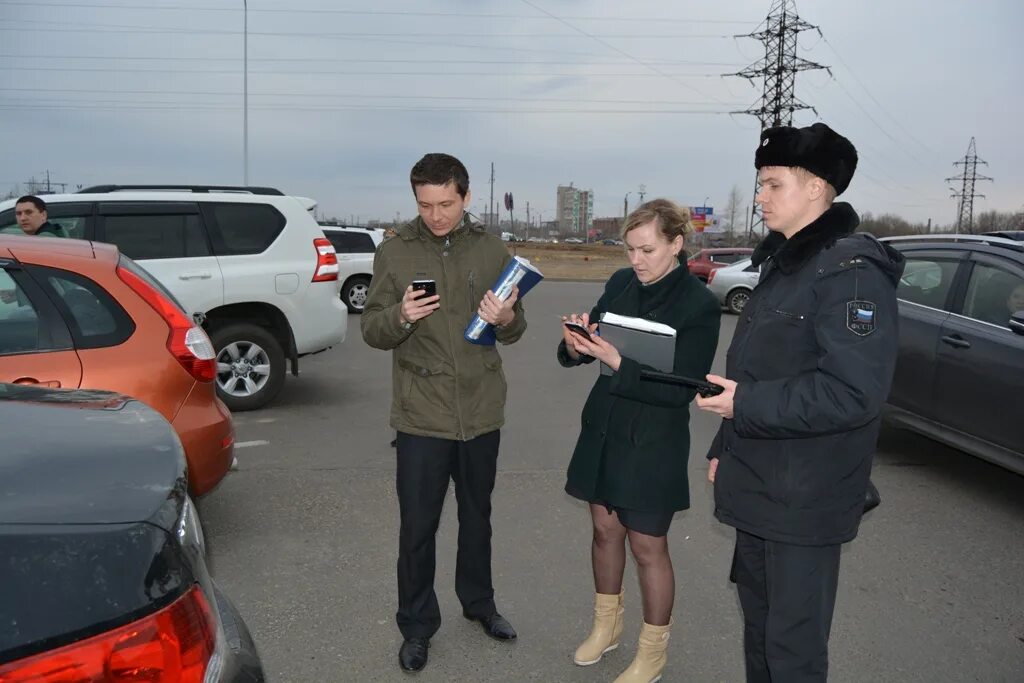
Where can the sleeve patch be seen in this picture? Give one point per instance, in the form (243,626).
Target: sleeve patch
(860,317)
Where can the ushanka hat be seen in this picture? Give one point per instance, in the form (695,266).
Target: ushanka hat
(817,148)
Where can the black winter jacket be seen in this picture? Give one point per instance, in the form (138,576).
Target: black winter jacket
(634,441)
(814,355)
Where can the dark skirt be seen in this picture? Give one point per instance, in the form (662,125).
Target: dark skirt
(642,521)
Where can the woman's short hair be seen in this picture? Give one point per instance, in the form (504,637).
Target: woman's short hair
(671,219)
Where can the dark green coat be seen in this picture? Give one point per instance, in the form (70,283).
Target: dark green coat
(443,386)
(634,444)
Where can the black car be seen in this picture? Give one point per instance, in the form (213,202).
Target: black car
(960,372)
(102,564)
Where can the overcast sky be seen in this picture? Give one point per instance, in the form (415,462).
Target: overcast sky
(345,96)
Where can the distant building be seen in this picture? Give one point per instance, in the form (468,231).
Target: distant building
(608,227)
(575,210)
(491,220)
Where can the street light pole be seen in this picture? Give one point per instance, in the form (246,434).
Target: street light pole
(245,92)
(625,205)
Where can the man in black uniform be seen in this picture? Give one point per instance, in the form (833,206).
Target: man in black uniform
(809,368)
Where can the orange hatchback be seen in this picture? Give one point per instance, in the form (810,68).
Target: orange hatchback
(78,314)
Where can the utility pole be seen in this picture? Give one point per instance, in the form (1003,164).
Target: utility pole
(527,220)
(245,93)
(778,71)
(49,184)
(966,195)
(625,206)
(490,214)
(642,192)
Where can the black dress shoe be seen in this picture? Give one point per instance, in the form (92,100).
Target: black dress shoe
(496,626)
(413,654)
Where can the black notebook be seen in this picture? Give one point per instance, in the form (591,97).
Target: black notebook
(648,343)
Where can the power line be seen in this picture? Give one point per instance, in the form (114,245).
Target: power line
(176,108)
(334,72)
(435,74)
(292,95)
(357,60)
(401,13)
(873,98)
(879,126)
(401,34)
(299,34)
(616,49)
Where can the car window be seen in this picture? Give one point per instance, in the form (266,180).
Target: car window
(96,320)
(71,217)
(993,295)
(927,281)
(351,242)
(245,228)
(20,325)
(157,236)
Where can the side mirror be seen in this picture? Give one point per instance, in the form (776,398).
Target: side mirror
(1017,322)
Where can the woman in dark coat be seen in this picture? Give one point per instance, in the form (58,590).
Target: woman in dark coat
(631,457)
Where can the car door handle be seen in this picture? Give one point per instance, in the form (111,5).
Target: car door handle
(957,341)
(32,381)
(195,276)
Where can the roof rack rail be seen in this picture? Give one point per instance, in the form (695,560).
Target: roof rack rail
(336,224)
(987,239)
(100,189)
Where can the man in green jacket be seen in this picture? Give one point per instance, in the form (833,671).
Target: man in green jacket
(448,395)
(30,212)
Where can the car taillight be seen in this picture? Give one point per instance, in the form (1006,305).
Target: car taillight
(186,341)
(175,645)
(326,260)
(711,275)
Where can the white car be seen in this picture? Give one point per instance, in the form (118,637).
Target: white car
(733,284)
(250,263)
(356,247)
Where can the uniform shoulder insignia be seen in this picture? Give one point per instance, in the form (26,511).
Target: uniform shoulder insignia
(860,317)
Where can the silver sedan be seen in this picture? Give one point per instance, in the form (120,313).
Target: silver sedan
(733,284)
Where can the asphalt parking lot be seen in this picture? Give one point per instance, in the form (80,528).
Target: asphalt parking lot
(304,538)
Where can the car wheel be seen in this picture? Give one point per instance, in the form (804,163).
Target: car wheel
(354,293)
(250,366)
(737,300)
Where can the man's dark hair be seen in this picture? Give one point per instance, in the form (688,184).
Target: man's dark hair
(440,169)
(39,203)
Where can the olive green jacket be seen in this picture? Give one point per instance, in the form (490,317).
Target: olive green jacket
(442,385)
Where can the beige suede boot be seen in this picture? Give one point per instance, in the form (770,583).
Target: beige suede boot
(651,655)
(604,637)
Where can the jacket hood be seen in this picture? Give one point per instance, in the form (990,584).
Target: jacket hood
(837,223)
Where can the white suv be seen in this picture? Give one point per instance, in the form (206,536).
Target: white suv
(251,263)
(356,247)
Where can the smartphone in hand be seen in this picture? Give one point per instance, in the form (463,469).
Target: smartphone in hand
(429,287)
(579,329)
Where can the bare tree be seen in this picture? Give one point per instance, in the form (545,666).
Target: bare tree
(733,210)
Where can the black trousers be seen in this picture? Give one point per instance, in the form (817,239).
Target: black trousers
(788,594)
(425,465)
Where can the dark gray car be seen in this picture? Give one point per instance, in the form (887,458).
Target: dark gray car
(961,364)
(102,561)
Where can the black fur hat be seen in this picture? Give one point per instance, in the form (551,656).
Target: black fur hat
(817,148)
